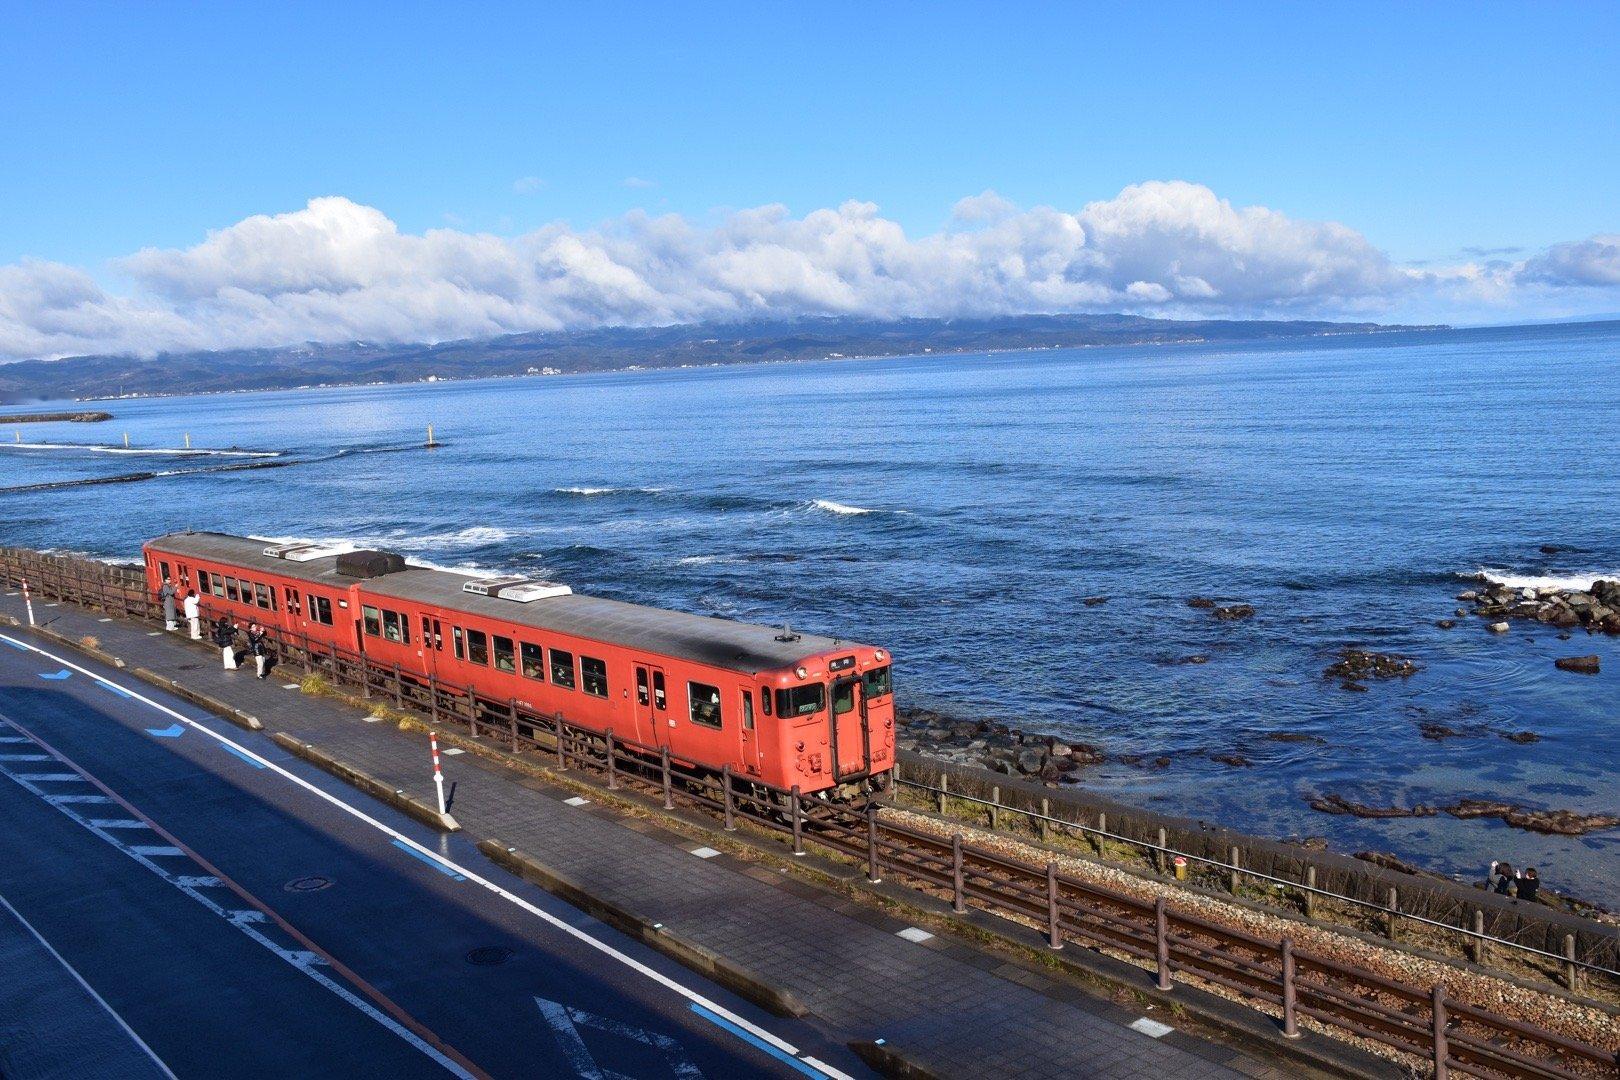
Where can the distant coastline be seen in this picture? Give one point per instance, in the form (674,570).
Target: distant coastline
(302,367)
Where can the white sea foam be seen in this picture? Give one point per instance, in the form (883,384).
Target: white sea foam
(472,536)
(839,508)
(588,492)
(1544,581)
(708,560)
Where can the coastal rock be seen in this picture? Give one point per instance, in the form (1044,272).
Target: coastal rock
(1521,737)
(1202,602)
(1234,612)
(1294,737)
(1362,664)
(1236,760)
(1586,665)
(1498,628)
(1551,822)
(1393,862)
(1437,732)
(1030,761)
(1445,624)
(1338,804)
(1093,601)
(1195,659)
(1478,808)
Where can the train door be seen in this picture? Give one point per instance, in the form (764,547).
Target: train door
(748,736)
(652,702)
(851,737)
(430,642)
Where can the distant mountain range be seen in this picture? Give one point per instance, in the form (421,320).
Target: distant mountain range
(616,348)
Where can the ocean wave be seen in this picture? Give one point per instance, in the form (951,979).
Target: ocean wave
(472,536)
(709,560)
(1543,581)
(592,492)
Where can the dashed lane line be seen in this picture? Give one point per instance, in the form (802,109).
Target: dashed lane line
(693,997)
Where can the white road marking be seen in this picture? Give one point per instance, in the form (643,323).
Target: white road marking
(116,823)
(53,777)
(103,620)
(452,751)
(914,933)
(575,801)
(540,913)
(1151,1028)
(705,852)
(151,850)
(289,686)
(25,757)
(69,968)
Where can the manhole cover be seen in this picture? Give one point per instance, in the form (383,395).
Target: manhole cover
(489,955)
(312,883)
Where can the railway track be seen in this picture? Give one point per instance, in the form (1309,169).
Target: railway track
(1424,1023)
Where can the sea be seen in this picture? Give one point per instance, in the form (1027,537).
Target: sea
(960,510)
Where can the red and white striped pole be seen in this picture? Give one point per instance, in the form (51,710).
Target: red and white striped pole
(438,776)
(28,602)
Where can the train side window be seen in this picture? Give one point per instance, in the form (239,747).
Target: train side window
(291,596)
(163,568)
(231,592)
(876,683)
(390,625)
(593,676)
(265,597)
(320,610)
(202,582)
(765,699)
(658,690)
(642,696)
(503,655)
(843,696)
(562,668)
(533,661)
(801,700)
(461,650)
(748,710)
(704,702)
(478,647)
(218,585)
(371,618)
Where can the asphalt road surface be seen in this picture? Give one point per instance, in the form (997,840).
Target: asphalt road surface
(186,899)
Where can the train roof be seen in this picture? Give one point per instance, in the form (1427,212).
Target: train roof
(735,646)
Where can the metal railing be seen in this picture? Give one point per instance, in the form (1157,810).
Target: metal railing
(1292,983)
(1161,854)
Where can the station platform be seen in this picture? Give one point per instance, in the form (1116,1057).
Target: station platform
(937,1005)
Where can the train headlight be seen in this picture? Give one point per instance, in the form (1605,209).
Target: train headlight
(877,654)
(801,672)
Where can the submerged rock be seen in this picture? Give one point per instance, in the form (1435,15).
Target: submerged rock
(1586,665)
(1236,760)
(1523,737)
(1203,602)
(1234,612)
(1338,804)
(1093,601)
(1362,664)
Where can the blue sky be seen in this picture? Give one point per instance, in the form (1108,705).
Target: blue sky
(1439,133)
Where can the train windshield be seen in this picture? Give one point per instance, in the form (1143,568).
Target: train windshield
(876,683)
(801,700)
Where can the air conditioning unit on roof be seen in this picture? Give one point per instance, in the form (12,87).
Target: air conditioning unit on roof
(306,552)
(521,589)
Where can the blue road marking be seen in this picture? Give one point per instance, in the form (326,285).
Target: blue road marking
(119,690)
(63,674)
(173,731)
(435,863)
(250,760)
(755,1041)
(17,645)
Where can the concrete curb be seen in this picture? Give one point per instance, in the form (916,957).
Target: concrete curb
(365,782)
(885,1060)
(699,958)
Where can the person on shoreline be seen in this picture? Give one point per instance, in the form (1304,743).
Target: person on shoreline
(167,594)
(225,638)
(259,646)
(1501,880)
(1529,883)
(193,611)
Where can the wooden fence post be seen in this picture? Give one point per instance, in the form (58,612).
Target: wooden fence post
(725,779)
(1572,973)
(1161,926)
(613,778)
(798,819)
(1289,991)
(669,801)
(1102,827)
(1232,884)
(512,722)
(995,805)
(958,886)
(944,787)
(399,690)
(1310,891)
(1478,941)
(562,752)
(1442,1049)
(1054,931)
(1159,856)
(1042,822)
(1392,913)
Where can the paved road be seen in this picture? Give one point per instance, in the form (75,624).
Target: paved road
(199,909)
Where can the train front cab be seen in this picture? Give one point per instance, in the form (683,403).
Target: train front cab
(835,718)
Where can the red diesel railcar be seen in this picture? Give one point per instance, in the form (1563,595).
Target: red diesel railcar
(780,708)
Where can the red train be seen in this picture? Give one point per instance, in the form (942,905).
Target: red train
(780,708)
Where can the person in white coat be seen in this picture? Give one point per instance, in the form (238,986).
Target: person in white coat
(193,609)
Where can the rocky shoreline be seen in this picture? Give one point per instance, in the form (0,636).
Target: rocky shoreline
(1595,609)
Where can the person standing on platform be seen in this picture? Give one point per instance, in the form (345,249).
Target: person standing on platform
(259,646)
(166,594)
(193,609)
(225,638)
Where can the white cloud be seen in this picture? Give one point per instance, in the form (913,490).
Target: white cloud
(337,270)
(527,185)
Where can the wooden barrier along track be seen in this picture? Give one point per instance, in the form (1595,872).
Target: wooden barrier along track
(1420,1021)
